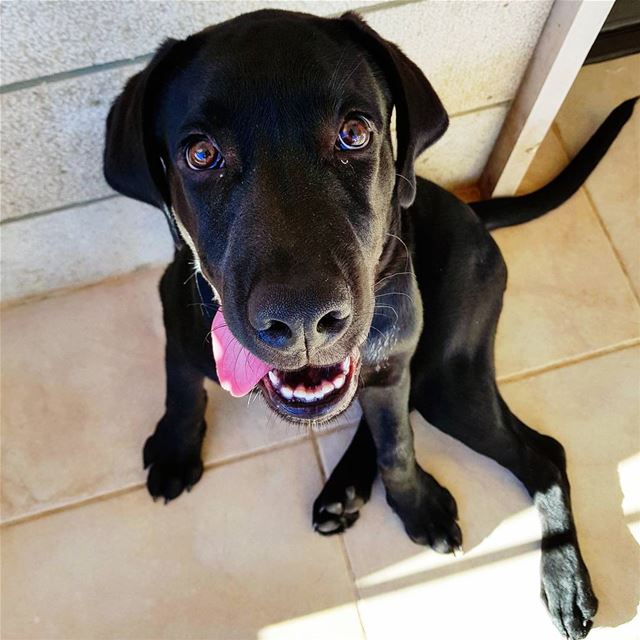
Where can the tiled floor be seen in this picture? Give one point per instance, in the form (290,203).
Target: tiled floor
(86,553)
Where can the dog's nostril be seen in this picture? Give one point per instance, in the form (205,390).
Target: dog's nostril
(332,322)
(275,333)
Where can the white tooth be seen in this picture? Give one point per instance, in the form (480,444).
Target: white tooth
(327,388)
(300,392)
(273,376)
(286,392)
(339,381)
(346,363)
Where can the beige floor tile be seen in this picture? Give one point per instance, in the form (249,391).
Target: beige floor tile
(82,388)
(81,385)
(567,294)
(614,186)
(592,408)
(236,558)
(597,89)
(549,161)
(410,592)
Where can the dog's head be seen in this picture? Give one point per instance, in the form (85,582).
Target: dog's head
(269,138)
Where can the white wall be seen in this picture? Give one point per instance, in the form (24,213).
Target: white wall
(63,63)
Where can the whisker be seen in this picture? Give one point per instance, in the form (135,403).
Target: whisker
(393,275)
(235,364)
(346,76)
(393,326)
(404,244)
(378,330)
(386,306)
(253,394)
(405,179)
(193,274)
(201,298)
(394,293)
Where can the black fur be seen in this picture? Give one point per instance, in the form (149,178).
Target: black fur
(290,219)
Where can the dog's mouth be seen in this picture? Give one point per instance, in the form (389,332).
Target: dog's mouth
(312,393)
(308,394)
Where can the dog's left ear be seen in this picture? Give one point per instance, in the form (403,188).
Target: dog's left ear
(420,117)
(131,166)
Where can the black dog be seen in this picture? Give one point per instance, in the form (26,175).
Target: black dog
(267,142)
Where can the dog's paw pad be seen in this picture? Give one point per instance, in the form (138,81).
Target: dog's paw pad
(328,524)
(335,508)
(335,516)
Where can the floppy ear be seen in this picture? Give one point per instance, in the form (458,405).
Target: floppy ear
(420,117)
(130,164)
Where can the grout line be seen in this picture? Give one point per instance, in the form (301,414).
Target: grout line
(99,497)
(115,278)
(131,488)
(389,4)
(559,364)
(82,203)
(60,76)
(341,539)
(309,437)
(600,220)
(73,73)
(72,205)
(484,107)
(254,453)
(316,451)
(352,575)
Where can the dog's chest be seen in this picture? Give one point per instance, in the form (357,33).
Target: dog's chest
(396,325)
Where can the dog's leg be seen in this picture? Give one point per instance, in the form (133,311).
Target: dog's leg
(427,510)
(468,406)
(349,486)
(454,388)
(173,452)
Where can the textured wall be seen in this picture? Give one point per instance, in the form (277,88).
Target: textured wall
(64,62)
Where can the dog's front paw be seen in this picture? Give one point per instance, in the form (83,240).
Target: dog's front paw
(428,512)
(172,469)
(566,591)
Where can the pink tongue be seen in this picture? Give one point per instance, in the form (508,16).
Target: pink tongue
(238,369)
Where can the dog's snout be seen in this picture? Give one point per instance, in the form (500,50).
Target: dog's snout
(290,321)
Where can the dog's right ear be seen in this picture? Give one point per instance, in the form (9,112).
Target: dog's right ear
(420,116)
(131,166)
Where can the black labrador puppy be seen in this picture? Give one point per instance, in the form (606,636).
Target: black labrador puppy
(267,141)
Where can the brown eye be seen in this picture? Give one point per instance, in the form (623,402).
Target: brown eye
(203,154)
(355,133)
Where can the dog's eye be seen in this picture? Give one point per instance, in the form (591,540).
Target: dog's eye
(203,154)
(355,133)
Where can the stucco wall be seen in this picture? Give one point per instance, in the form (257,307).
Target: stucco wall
(64,62)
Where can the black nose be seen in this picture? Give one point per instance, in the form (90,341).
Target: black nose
(290,320)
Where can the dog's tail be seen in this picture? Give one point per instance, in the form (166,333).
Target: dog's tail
(507,211)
